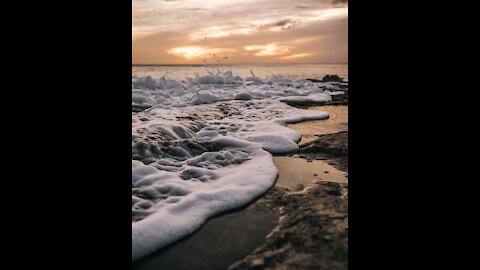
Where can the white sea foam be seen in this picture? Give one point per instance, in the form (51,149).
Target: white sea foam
(204,146)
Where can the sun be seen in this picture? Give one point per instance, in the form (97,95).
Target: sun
(188,52)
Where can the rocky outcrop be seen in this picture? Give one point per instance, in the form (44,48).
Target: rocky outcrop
(333,147)
(312,232)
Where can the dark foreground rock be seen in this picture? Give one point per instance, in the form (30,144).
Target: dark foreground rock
(312,231)
(313,225)
(339,99)
(333,147)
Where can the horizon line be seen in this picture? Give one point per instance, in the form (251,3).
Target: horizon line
(159,64)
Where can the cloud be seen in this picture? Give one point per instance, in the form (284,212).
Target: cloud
(339,3)
(296,56)
(278,25)
(228,27)
(195,9)
(282,22)
(267,49)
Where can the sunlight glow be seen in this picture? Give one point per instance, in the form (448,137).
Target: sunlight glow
(200,52)
(296,56)
(219,32)
(327,14)
(268,49)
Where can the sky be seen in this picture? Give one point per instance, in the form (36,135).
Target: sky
(239,31)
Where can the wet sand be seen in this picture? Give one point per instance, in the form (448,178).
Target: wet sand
(231,237)
(220,242)
(296,173)
(226,239)
(337,121)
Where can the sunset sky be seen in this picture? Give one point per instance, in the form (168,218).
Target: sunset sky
(239,31)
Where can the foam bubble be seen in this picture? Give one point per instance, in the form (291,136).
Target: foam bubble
(204,145)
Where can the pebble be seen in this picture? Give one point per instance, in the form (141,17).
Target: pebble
(258,262)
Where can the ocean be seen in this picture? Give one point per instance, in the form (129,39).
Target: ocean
(292,71)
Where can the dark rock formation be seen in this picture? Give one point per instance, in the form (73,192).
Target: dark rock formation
(332,78)
(312,233)
(333,147)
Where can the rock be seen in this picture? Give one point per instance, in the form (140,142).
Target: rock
(332,78)
(243,96)
(312,233)
(333,147)
(299,187)
(258,261)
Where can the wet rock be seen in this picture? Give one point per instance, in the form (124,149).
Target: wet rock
(299,187)
(332,78)
(312,233)
(333,147)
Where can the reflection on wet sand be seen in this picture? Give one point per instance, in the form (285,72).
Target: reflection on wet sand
(337,121)
(228,238)
(295,173)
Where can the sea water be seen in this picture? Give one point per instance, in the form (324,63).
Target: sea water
(292,71)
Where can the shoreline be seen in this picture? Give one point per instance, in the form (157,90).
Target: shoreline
(313,224)
(296,211)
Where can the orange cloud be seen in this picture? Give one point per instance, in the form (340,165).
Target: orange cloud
(267,50)
(199,52)
(296,56)
(245,31)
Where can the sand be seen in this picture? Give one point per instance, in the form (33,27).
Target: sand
(310,199)
(337,121)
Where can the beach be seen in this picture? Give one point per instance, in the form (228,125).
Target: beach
(301,222)
(224,167)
